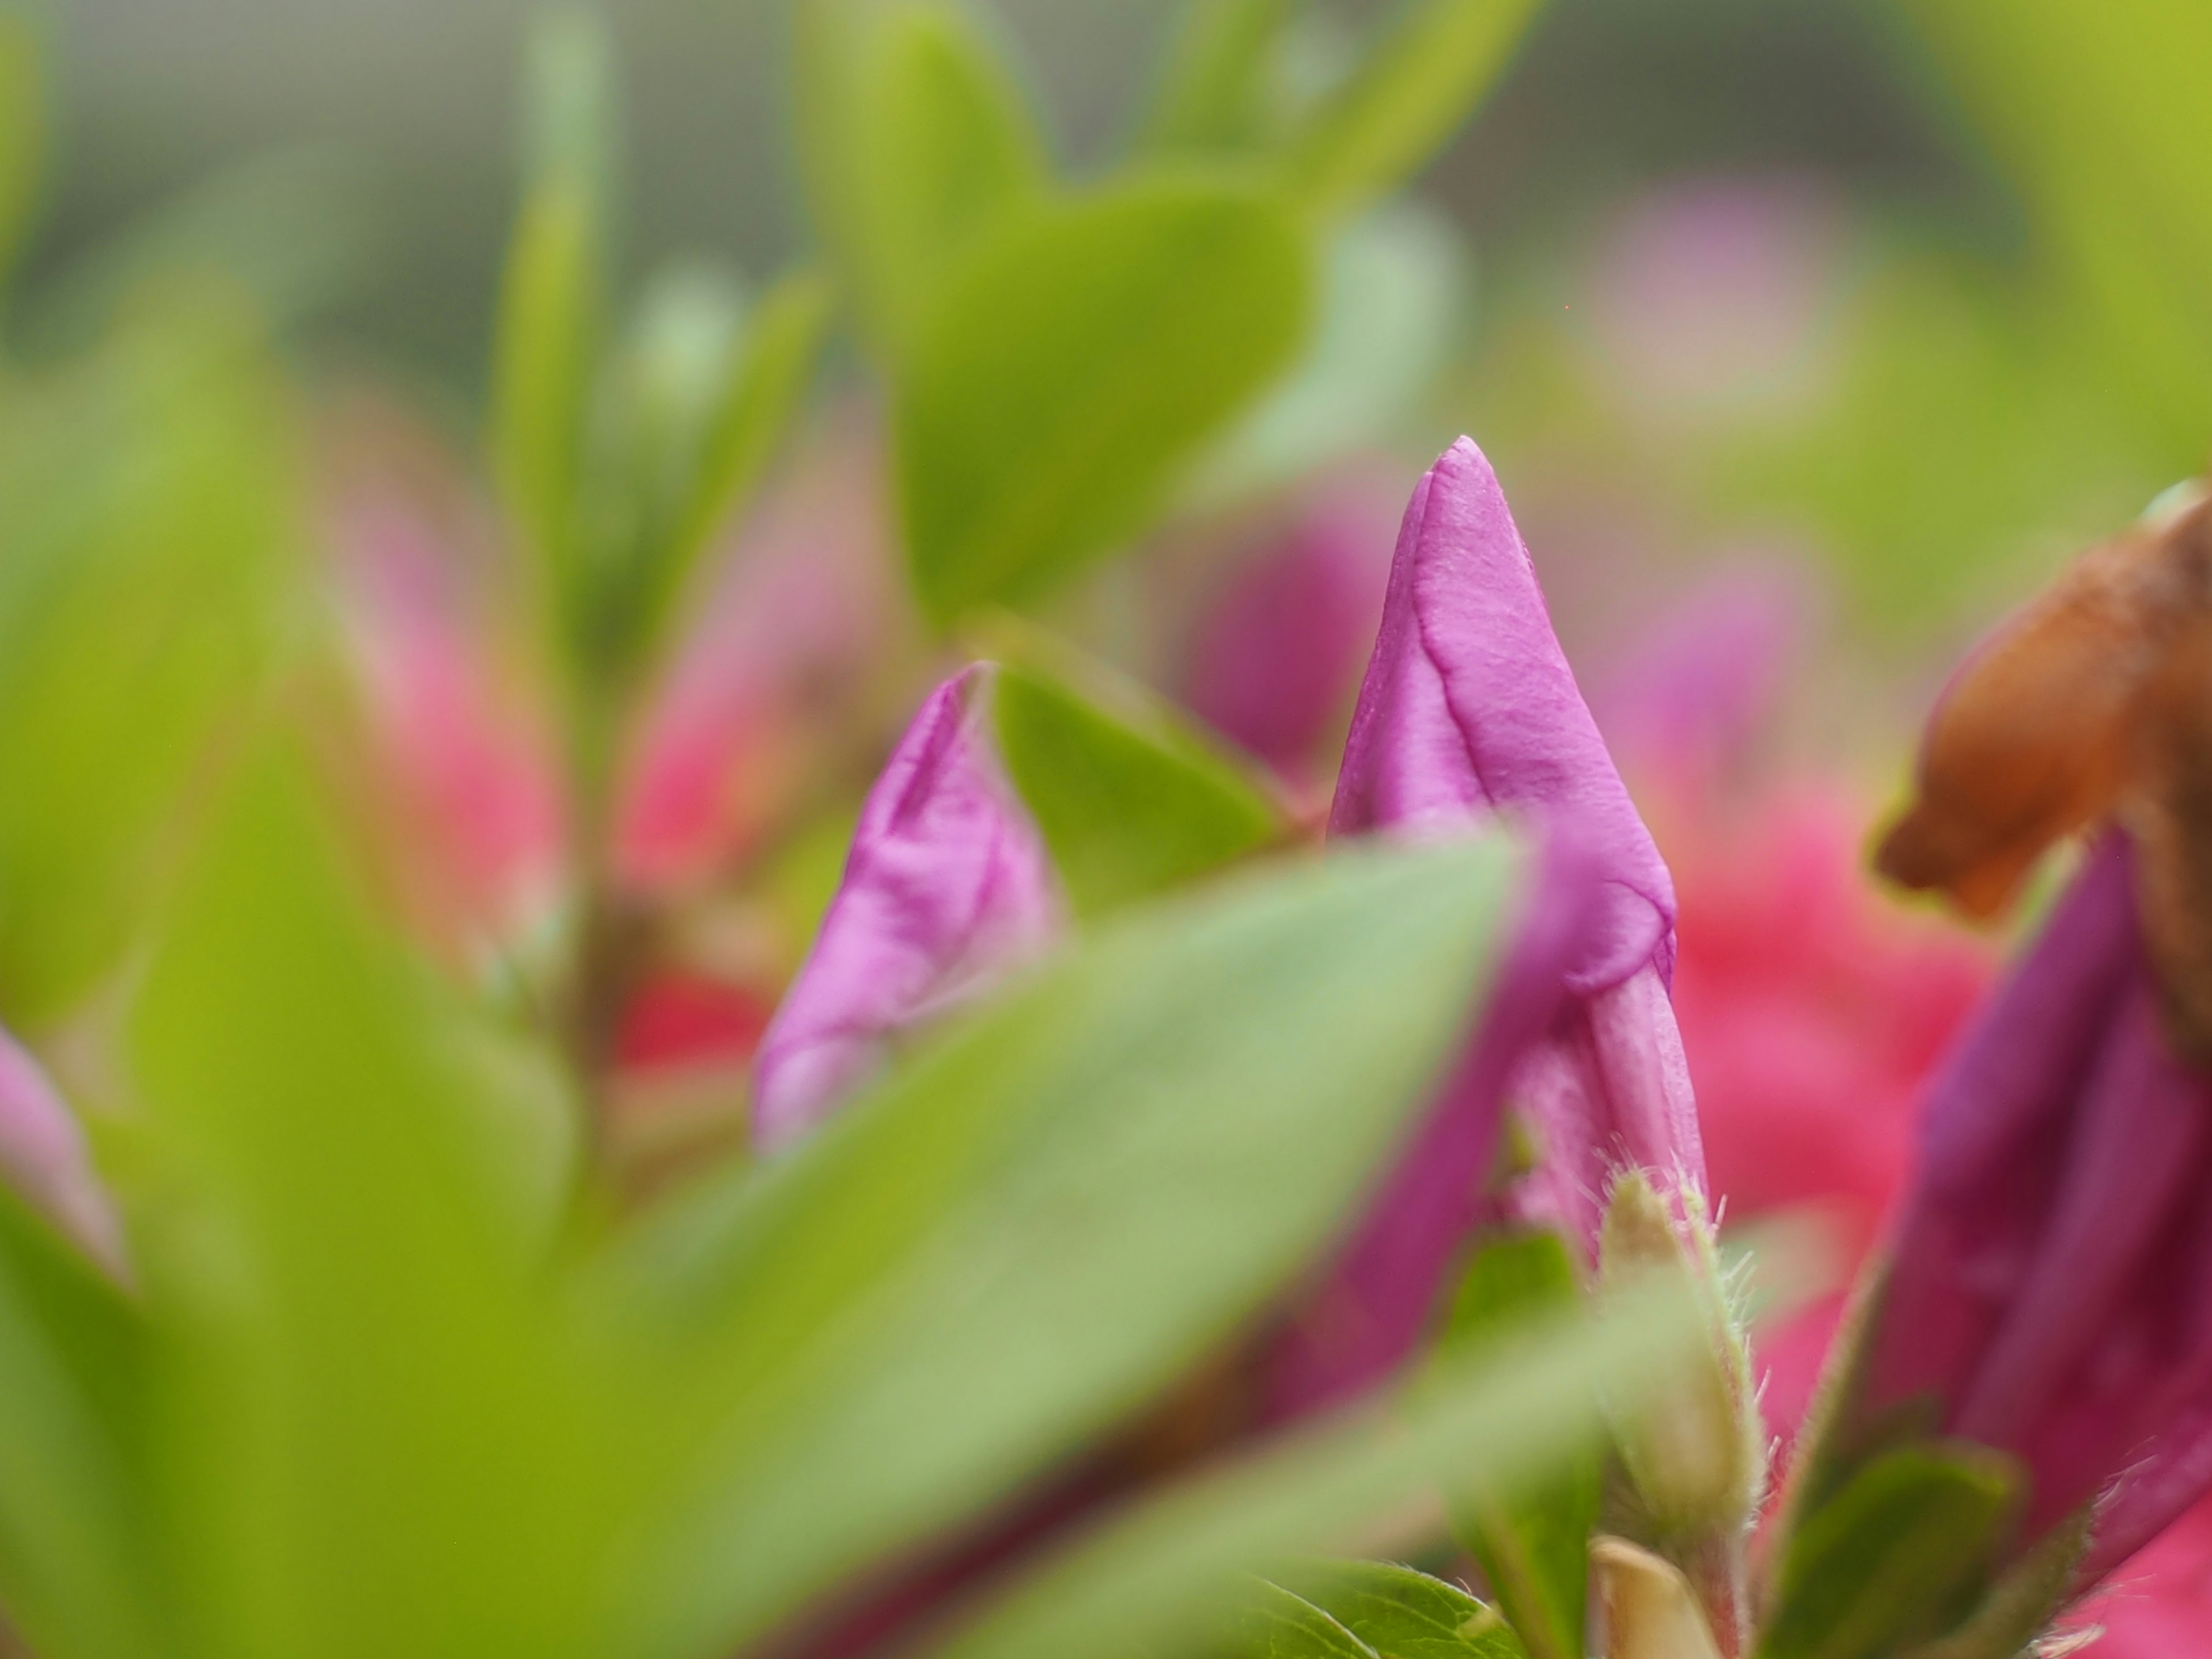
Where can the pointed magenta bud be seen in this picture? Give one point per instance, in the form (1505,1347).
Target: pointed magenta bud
(1469,712)
(2049,1287)
(44,1158)
(1470,709)
(947,885)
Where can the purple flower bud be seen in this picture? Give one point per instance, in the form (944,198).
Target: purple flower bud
(2049,1287)
(1469,710)
(947,885)
(43,1156)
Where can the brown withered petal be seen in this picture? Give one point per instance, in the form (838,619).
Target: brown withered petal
(2032,739)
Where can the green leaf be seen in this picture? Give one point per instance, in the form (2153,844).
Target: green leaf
(1073,366)
(1533,1543)
(1405,97)
(1405,1614)
(765,390)
(1273,1623)
(1131,803)
(374,1437)
(1217,88)
(1157,1580)
(146,543)
(923,140)
(76,1572)
(1899,1554)
(23,131)
(552,302)
(1018,1240)
(690,415)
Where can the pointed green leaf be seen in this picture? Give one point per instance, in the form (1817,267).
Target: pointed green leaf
(552,303)
(1533,1543)
(920,139)
(1131,803)
(1405,1614)
(765,390)
(1008,1242)
(1899,1554)
(1218,85)
(1073,365)
(1416,84)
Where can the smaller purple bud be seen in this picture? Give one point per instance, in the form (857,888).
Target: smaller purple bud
(947,886)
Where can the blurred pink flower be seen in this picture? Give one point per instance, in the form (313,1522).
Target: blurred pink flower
(1273,656)
(1715,295)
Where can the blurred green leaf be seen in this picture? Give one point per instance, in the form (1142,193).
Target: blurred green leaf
(1218,84)
(374,1439)
(1053,1212)
(1129,807)
(1408,1615)
(690,416)
(1072,368)
(1157,1580)
(146,529)
(1395,300)
(552,305)
(944,147)
(1431,66)
(1533,1542)
(23,131)
(765,389)
(1898,1554)
(75,1570)
(1273,1623)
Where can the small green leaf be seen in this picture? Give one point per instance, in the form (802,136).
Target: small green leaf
(1129,806)
(1533,1543)
(765,390)
(1273,1623)
(1073,365)
(1405,1614)
(23,131)
(1218,87)
(552,302)
(1899,1554)
(1414,87)
(946,147)
(1006,1241)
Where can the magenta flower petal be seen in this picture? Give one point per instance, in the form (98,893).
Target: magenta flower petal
(946,886)
(1469,706)
(43,1156)
(2050,1291)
